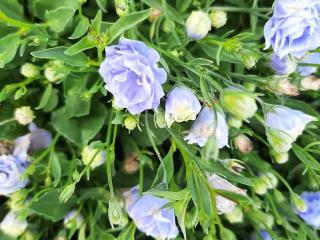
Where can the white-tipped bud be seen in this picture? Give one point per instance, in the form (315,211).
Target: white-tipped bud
(243,143)
(310,83)
(29,70)
(198,25)
(218,18)
(235,216)
(130,122)
(24,115)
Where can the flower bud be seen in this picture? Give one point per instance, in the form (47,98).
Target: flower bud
(73,219)
(233,165)
(130,122)
(28,235)
(168,26)
(249,59)
(24,115)
(198,25)
(29,70)
(121,7)
(155,14)
(234,122)
(260,187)
(284,87)
(310,83)
(131,165)
(12,225)
(235,216)
(251,87)
(17,200)
(243,143)
(240,104)
(218,18)
(298,203)
(88,153)
(280,158)
(159,118)
(55,71)
(181,105)
(115,214)
(270,180)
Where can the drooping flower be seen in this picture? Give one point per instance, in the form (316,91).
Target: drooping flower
(240,104)
(312,58)
(294,27)
(181,105)
(73,218)
(132,75)
(198,25)
(12,225)
(284,125)
(151,215)
(207,123)
(312,213)
(224,205)
(282,66)
(14,164)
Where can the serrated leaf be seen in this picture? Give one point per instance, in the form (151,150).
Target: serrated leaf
(8,48)
(78,60)
(57,19)
(127,22)
(81,28)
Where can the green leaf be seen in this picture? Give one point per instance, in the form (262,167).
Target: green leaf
(78,60)
(128,232)
(49,206)
(79,130)
(55,169)
(102,4)
(57,19)
(45,97)
(83,44)
(12,9)
(67,192)
(52,102)
(96,23)
(81,28)
(180,209)
(127,22)
(8,48)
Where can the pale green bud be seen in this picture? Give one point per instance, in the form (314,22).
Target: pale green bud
(122,8)
(270,179)
(17,200)
(240,104)
(235,216)
(168,26)
(218,18)
(29,70)
(233,165)
(298,202)
(115,214)
(160,118)
(89,152)
(280,158)
(249,60)
(260,187)
(234,122)
(250,86)
(130,122)
(55,71)
(24,115)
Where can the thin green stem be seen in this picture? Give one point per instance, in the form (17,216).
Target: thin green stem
(6,121)
(240,9)
(108,157)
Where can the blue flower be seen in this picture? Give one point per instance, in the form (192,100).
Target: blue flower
(282,66)
(132,75)
(263,234)
(207,123)
(312,214)
(181,105)
(151,215)
(312,58)
(294,27)
(13,166)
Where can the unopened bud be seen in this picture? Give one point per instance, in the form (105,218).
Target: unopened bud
(130,122)
(24,115)
(284,87)
(159,118)
(218,18)
(260,187)
(13,225)
(310,83)
(55,71)
(233,165)
(280,158)
(249,59)
(155,14)
(270,180)
(73,219)
(243,143)
(168,26)
(121,7)
(115,214)
(29,70)
(17,200)
(235,216)
(234,122)
(131,165)
(88,153)
(240,104)
(198,25)
(298,203)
